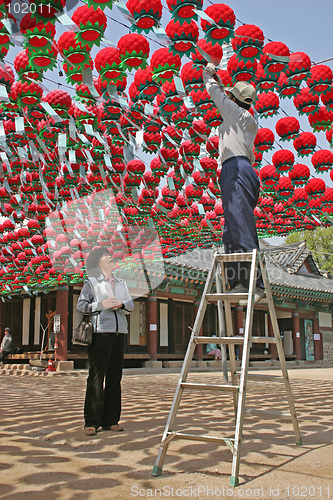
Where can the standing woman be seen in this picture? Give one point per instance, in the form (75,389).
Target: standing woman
(239,182)
(107,298)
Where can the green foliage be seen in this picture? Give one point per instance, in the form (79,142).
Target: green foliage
(319,242)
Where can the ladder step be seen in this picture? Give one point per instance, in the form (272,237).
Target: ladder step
(200,437)
(211,387)
(198,339)
(269,414)
(218,340)
(264,378)
(234,257)
(232,297)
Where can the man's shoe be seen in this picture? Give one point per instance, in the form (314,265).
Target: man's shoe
(259,294)
(90,431)
(115,428)
(239,288)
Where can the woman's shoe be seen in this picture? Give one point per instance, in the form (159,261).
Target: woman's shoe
(90,431)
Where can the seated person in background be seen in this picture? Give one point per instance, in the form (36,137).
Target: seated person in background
(6,344)
(213,350)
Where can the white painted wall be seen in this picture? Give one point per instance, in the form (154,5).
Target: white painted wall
(325,319)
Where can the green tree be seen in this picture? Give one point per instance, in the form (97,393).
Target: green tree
(320,243)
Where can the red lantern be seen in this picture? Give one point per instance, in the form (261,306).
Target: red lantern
(274,66)
(264,140)
(286,88)
(183,11)
(212,146)
(248,42)
(146,14)
(300,198)
(183,37)
(212,117)
(199,132)
(264,82)
(327,100)
(39,34)
(306,102)
(269,176)
(191,76)
(299,67)
(287,128)
(201,99)
(59,100)
(329,136)
(207,52)
(284,188)
(47,59)
(145,84)
(133,51)
(320,79)
(23,68)
(267,104)
(152,142)
(283,160)
(189,150)
(164,65)
(242,71)
(28,93)
(299,174)
(171,137)
(108,65)
(182,119)
(315,187)
(92,23)
(322,160)
(321,119)
(222,30)
(305,144)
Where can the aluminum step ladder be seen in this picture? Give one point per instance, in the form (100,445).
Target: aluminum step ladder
(225,337)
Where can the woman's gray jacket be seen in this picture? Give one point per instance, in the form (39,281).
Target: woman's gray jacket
(94,291)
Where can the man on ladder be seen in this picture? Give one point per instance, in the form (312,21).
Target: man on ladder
(239,182)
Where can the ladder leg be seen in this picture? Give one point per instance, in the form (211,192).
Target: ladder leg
(280,351)
(234,480)
(221,324)
(157,470)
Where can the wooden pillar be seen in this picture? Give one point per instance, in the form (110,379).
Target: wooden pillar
(152,327)
(62,309)
(239,327)
(272,347)
(317,339)
(296,335)
(199,348)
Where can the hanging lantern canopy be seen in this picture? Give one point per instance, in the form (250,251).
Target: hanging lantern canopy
(209,165)
(267,104)
(84,92)
(212,117)
(264,83)
(315,187)
(146,14)
(193,193)
(28,93)
(299,67)
(39,34)
(182,119)
(189,151)
(74,73)
(321,119)
(200,179)
(305,144)
(158,167)
(47,59)
(171,137)
(201,100)
(322,160)
(284,188)
(241,71)
(286,88)
(151,142)
(248,42)
(299,174)
(320,79)
(133,51)
(167,106)
(283,160)
(164,65)
(275,59)
(72,50)
(222,29)
(92,23)
(59,100)
(264,140)
(108,65)
(184,11)
(206,52)
(199,132)
(306,102)
(287,128)
(300,198)
(183,37)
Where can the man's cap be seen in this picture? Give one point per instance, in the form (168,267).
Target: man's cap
(7,329)
(244,92)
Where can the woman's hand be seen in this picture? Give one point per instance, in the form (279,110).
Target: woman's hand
(112,303)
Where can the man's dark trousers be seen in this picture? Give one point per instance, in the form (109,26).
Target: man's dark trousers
(240,189)
(103,396)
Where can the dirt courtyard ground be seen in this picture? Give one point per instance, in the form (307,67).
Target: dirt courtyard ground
(45,454)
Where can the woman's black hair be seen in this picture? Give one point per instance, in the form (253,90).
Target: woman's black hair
(92,266)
